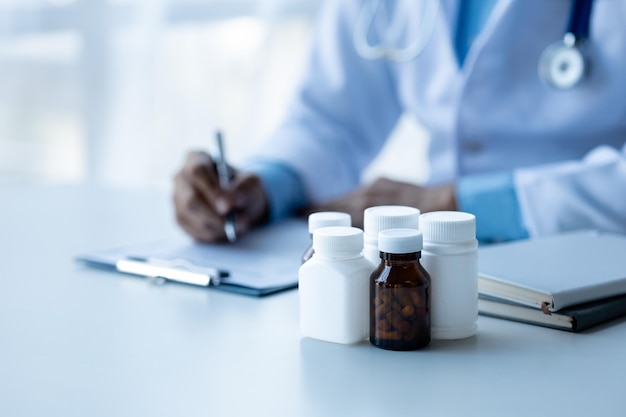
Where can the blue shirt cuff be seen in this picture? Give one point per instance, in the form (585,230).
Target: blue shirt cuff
(282,185)
(493,200)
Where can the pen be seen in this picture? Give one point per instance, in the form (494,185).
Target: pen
(224,178)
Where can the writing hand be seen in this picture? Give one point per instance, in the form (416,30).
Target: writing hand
(202,205)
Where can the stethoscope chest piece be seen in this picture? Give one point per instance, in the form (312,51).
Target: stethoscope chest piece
(562,64)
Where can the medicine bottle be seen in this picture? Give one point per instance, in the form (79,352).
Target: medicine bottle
(379,218)
(324,219)
(450,257)
(400,293)
(334,287)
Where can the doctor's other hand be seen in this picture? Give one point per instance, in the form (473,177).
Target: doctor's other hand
(202,205)
(384,191)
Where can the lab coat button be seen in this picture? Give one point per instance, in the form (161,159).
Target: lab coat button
(473,146)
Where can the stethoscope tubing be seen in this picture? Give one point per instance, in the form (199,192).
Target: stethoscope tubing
(562,65)
(580,19)
(365,22)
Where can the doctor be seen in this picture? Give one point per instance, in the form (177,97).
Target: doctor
(523,99)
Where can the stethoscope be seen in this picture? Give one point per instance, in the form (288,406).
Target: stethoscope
(562,64)
(365,22)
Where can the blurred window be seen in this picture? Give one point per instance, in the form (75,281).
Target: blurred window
(119,90)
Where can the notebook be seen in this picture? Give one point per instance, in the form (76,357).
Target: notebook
(554,272)
(264,261)
(574,319)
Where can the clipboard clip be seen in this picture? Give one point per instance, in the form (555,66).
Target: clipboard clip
(179,270)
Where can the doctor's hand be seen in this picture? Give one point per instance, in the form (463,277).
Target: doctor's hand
(387,192)
(201,204)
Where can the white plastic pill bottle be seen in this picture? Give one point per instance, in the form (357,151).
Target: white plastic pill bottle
(334,287)
(379,218)
(325,219)
(450,258)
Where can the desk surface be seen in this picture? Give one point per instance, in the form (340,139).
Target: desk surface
(81,342)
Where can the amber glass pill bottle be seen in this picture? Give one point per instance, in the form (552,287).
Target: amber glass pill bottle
(400,293)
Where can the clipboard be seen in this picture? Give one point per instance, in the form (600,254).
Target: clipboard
(263,262)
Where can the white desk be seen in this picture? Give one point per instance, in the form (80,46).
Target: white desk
(81,342)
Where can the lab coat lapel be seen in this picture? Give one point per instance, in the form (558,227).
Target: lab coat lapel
(491,26)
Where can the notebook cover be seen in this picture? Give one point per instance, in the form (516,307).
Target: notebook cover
(569,268)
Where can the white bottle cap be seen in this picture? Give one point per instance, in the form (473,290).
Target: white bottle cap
(400,241)
(327,219)
(376,219)
(448,226)
(338,240)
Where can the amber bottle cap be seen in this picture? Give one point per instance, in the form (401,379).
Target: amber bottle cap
(400,241)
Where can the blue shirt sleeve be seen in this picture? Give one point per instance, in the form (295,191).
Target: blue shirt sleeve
(282,185)
(493,200)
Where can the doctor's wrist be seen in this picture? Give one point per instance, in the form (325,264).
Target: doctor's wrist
(440,198)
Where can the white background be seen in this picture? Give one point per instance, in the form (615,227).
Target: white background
(117,91)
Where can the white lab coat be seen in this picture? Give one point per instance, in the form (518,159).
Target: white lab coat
(566,149)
